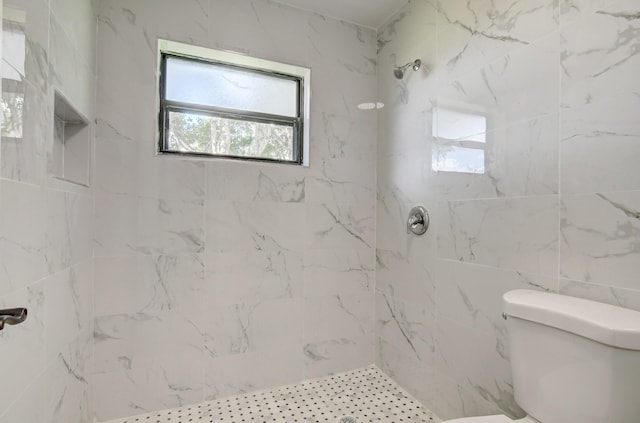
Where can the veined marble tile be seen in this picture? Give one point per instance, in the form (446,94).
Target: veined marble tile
(68,308)
(341,272)
(136,225)
(130,392)
(404,178)
(22,235)
(262,35)
(251,277)
(29,408)
(70,70)
(599,238)
(340,206)
(148,284)
(131,168)
(600,136)
(410,34)
(402,276)
(251,310)
(408,137)
(328,357)
(344,136)
(337,317)
(392,213)
(118,120)
(471,295)
(519,233)
(339,225)
(343,57)
(432,387)
(140,341)
(454,400)
(599,161)
(126,55)
(72,15)
(485,371)
(600,97)
(126,19)
(392,210)
(239,373)
(342,47)
(603,96)
(408,324)
(519,160)
(622,297)
(341,182)
(244,328)
(242,226)
(69,229)
(473,34)
(402,365)
(600,63)
(23,345)
(408,23)
(256,182)
(348,89)
(505,91)
(575,10)
(68,380)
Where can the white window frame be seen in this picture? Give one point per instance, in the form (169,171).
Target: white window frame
(218,57)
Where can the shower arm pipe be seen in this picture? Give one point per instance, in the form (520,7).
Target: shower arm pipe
(416,65)
(400,70)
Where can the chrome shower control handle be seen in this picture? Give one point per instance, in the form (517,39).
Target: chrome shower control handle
(418,220)
(12,316)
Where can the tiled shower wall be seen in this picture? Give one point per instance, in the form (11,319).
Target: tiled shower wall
(556,206)
(218,277)
(46,224)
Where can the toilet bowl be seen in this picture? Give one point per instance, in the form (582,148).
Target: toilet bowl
(572,360)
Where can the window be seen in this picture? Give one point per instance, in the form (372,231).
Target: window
(460,139)
(14,49)
(221,104)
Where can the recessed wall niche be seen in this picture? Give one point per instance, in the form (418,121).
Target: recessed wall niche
(71,146)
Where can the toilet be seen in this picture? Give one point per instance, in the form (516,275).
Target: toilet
(572,360)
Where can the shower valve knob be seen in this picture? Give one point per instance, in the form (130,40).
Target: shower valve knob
(418,221)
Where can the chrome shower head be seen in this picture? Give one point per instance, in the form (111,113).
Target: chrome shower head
(398,72)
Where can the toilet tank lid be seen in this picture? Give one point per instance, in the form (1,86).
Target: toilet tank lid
(604,323)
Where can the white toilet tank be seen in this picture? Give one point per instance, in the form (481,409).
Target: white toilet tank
(573,360)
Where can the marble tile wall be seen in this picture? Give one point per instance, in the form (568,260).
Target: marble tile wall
(46,225)
(220,277)
(544,97)
(214,278)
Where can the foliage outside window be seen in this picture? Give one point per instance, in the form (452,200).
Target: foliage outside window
(13,74)
(215,103)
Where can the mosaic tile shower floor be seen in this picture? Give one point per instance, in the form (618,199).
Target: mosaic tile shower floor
(359,396)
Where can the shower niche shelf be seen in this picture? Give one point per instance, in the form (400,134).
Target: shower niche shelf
(71,143)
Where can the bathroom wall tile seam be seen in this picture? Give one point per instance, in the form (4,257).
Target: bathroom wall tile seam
(496,60)
(44,234)
(239,362)
(465,302)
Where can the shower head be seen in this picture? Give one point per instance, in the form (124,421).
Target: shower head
(398,72)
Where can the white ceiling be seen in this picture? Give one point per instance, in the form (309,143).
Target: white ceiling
(371,13)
